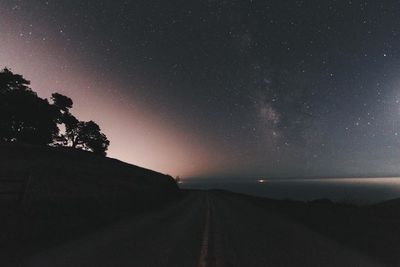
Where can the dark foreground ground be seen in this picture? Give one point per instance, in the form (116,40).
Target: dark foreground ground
(217,228)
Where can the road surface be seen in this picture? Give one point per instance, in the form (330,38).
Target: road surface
(203,229)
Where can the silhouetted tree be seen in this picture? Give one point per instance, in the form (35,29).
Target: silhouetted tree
(10,81)
(88,136)
(93,138)
(70,123)
(62,102)
(24,117)
(78,134)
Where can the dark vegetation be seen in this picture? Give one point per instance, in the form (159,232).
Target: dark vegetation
(27,118)
(71,192)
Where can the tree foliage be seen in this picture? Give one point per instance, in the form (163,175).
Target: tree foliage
(10,81)
(27,118)
(24,117)
(89,137)
(62,102)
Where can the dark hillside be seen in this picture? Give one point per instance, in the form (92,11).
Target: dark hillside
(66,173)
(66,192)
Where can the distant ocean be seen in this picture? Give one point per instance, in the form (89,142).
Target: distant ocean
(351,190)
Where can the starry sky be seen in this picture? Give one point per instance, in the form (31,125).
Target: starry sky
(222,88)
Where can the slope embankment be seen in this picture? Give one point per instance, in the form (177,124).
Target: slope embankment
(51,194)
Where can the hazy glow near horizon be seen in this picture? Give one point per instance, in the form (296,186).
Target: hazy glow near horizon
(138,134)
(225,89)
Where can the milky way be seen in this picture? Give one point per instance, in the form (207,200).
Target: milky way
(222,88)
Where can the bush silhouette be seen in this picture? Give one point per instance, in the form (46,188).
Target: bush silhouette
(27,118)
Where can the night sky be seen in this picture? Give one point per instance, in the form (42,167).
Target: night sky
(222,88)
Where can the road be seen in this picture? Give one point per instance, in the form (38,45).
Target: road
(203,229)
